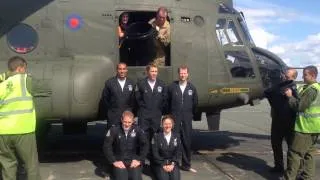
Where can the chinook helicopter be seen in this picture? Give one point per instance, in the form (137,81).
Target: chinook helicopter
(72,48)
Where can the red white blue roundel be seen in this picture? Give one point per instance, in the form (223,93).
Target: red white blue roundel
(74,22)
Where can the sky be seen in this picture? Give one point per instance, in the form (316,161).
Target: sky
(290,29)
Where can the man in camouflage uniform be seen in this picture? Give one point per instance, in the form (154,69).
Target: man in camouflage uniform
(161,24)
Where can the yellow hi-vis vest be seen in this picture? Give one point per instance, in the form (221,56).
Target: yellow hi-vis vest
(300,87)
(3,77)
(309,120)
(17,113)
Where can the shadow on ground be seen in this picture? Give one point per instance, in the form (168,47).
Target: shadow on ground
(208,140)
(249,164)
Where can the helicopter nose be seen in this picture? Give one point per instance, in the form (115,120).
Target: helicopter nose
(271,67)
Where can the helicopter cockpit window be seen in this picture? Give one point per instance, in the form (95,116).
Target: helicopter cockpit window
(227,33)
(22,39)
(270,70)
(233,33)
(239,64)
(245,30)
(221,34)
(139,42)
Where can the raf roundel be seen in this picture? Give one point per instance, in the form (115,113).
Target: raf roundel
(74,22)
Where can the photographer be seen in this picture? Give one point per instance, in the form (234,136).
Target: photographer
(283,117)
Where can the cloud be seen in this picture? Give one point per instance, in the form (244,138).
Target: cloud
(261,15)
(277,49)
(261,37)
(305,52)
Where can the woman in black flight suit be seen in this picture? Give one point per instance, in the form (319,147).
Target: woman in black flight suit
(166,151)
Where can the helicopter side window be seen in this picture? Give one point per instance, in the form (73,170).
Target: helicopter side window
(22,39)
(227,33)
(239,64)
(138,44)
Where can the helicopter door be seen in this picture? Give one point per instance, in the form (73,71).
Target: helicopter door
(137,47)
(189,46)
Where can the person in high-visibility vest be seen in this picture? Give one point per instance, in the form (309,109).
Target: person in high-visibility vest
(307,126)
(17,123)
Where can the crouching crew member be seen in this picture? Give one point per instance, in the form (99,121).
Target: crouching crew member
(166,151)
(126,147)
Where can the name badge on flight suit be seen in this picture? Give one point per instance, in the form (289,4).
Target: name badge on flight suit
(175,143)
(190,92)
(159,89)
(108,133)
(133,134)
(130,87)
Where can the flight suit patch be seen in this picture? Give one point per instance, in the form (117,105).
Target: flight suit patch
(133,134)
(130,87)
(108,133)
(175,143)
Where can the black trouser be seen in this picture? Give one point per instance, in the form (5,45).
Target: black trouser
(114,118)
(280,132)
(150,125)
(183,125)
(163,175)
(128,173)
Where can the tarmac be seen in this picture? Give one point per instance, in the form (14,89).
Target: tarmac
(241,150)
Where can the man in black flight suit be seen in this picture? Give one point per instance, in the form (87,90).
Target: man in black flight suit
(151,96)
(126,147)
(283,118)
(118,95)
(183,100)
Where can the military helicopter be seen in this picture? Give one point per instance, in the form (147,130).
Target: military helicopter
(72,48)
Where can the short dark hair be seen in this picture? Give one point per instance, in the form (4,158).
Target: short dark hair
(183,67)
(15,62)
(312,70)
(120,64)
(168,116)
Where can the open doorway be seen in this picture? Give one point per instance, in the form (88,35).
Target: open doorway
(138,39)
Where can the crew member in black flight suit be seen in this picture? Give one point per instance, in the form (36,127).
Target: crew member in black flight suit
(283,117)
(126,147)
(151,96)
(166,151)
(118,95)
(183,100)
